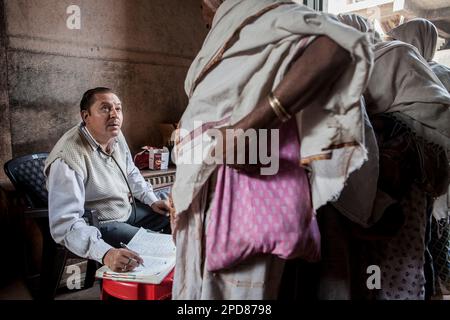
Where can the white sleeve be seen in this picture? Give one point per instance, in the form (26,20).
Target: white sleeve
(66,197)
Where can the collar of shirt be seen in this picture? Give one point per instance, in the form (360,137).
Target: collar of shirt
(93,143)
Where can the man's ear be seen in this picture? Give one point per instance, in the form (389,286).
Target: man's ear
(84,114)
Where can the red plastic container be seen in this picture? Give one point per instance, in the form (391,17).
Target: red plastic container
(137,291)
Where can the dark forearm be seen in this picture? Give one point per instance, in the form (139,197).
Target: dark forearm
(307,83)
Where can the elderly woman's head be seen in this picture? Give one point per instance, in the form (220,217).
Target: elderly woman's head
(359,23)
(354,20)
(420,33)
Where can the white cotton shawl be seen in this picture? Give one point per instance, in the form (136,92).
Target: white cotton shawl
(419,33)
(423,35)
(403,83)
(361,201)
(332,136)
(432,106)
(355,21)
(359,23)
(442,72)
(442,204)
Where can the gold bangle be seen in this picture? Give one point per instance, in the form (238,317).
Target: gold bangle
(278,109)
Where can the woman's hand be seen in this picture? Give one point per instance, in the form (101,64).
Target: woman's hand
(239,149)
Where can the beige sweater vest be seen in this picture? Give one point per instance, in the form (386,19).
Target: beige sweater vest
(105,187)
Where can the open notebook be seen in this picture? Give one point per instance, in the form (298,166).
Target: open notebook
(158,252)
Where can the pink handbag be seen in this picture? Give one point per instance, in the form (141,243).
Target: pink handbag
(254,214)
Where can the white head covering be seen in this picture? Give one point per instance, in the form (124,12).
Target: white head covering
(420,33)
(411,90)
(356,21)
(359,23)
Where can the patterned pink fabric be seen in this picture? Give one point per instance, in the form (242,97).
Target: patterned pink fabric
(254,214)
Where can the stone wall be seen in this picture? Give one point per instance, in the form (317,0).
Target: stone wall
(140,48)
(5,129)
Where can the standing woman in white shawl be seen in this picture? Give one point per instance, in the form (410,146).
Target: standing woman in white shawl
(311,64)
(423,35)
(361,212)
(405,89)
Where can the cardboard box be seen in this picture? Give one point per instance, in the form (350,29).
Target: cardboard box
(152,158)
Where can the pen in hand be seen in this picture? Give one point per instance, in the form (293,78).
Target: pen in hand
(123,245)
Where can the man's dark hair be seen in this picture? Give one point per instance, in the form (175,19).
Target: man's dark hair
(89,97)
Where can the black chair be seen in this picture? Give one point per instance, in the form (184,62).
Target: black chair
(26,174)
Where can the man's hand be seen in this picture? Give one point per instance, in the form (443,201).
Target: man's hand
(160,207)
(122,260)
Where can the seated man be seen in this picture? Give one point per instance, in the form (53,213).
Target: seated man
(91,167)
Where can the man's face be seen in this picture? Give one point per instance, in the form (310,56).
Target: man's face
(104,118)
